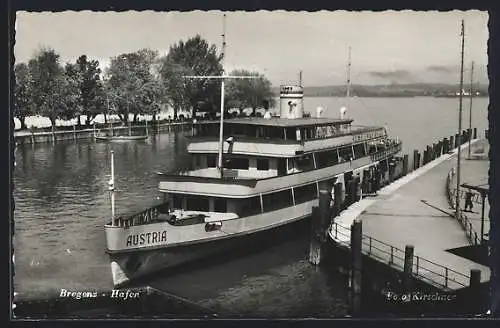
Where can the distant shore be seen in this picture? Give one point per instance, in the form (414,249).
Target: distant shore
(392,90)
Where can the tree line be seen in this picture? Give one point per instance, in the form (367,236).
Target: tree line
(137,83)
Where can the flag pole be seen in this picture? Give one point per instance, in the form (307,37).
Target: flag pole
(459,136)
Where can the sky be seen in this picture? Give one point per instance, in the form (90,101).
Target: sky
(386,47)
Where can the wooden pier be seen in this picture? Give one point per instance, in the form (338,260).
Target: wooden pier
(409,227)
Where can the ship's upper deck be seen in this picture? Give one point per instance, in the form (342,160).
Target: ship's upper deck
(282,122)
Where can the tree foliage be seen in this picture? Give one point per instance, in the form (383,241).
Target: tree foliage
(192,57)
(52,94)
(249,93)
(84,76)
(22,106)
(132,85)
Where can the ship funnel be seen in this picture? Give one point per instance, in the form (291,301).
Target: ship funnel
(343,111)
(291,97)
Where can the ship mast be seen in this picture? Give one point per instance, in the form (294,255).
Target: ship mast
(222,77)
(459,136)
(348,93)
(343,110)
(470,104)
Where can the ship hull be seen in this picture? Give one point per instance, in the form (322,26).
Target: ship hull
(133,266)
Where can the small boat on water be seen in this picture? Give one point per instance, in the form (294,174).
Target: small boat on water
(121,138)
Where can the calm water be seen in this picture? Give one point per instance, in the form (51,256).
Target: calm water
(62,203)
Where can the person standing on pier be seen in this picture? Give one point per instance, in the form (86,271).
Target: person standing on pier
(468,201)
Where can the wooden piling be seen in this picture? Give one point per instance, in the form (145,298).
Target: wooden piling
(475,133)
(337,201)
(446,146)
(74,132)
(324,208)
(53,135)
(392,168)
(408,269)
(452,142)
(356,266)
(315,243)
(320,221)
(426,156)
(415,159)
(357,188)
(405,164)
(475,278)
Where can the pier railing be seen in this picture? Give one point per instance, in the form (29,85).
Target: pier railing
(423,269)
(464,221)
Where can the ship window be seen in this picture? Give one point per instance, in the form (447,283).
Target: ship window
(345,153)
(220,205)
(262,164)
(277,200)
(326,158)
(304,162)
(237,163)
(291,134)
(177,201)
(211,161)
(359,150)
(305,193)
(250,206)
(197,203)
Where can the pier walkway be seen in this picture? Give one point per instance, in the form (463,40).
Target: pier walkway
(474,172)
(414,210)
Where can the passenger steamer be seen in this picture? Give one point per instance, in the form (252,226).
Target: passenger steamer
(268,184)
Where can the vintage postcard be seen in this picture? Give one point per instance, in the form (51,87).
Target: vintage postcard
(267,164)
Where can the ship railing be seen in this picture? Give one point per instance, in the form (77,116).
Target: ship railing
(149,215)
(422,268)
(394,148)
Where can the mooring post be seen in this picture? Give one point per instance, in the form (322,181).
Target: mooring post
(391,172)
(337,200)
(53,134)
(32,135)
(475,278)
(364,183)
(356,266)
(357,188)
(445,146)
(475,133)
(408,269)
(405,164)
(315,245)
(452,142)
(415,158)
(426,155)
(456,140)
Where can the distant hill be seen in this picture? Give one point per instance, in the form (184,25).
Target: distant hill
(389,90)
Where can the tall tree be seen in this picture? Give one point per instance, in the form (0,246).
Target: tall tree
(86,75)
(193,57)
(52,94)
(133,85)
(22,107)
(249,93)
